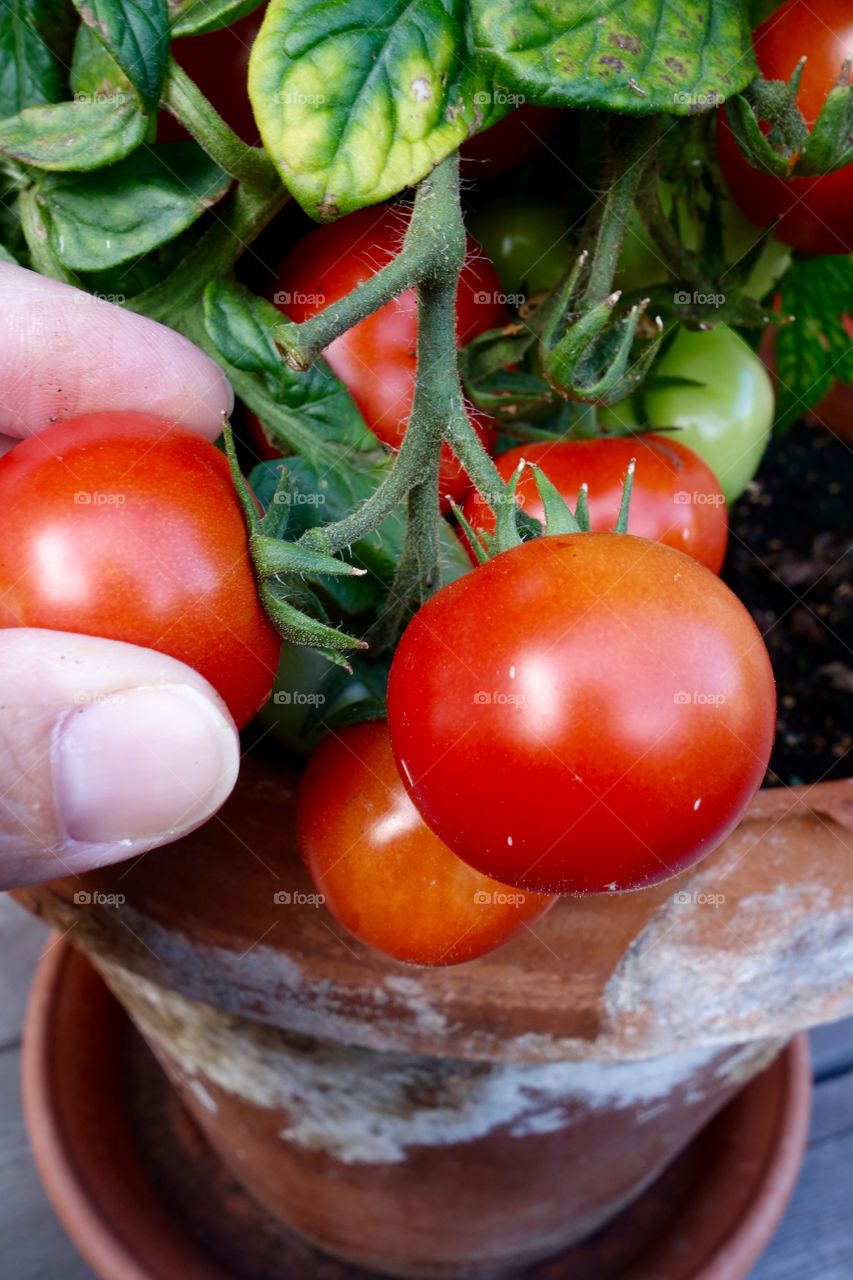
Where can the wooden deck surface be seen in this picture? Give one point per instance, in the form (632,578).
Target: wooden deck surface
(814,1242)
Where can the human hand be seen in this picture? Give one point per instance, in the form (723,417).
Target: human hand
(106,749)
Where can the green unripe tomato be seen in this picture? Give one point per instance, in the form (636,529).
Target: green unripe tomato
(727,419)
(299,688)
(526,240)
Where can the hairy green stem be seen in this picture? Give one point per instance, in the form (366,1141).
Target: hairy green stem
(631,144)
(188,105)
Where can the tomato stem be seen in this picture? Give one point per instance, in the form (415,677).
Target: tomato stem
(186,102)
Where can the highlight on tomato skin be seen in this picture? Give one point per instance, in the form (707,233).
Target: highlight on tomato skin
(126,526)
(584,713)
(383,874)
(675,497)
(376,359)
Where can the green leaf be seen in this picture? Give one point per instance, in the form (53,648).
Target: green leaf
(194,17)
(136,32)
(243,328)
(102,219)
(95,74)
(356,101)
(814,349)
(71,136)
(6,256)
(34,45)
(636,56)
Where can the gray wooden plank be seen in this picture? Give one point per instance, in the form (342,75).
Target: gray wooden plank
(33,1245)
(832,1049)
(22,937)
(815,1239)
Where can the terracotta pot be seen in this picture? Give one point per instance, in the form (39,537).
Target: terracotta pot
(144,1199)
(523,1098)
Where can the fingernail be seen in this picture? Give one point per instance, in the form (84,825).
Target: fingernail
(143,764)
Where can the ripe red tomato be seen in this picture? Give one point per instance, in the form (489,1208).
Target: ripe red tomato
(675,497)
(518,137)
(126,526)
(218,62)
(816,213)
(586,712)
(376,359)
(383,873)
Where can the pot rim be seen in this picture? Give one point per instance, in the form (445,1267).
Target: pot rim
(102,1238)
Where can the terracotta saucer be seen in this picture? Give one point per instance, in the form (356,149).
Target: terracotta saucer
(143,1197)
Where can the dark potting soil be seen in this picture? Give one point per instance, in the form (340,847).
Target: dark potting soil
(789,559)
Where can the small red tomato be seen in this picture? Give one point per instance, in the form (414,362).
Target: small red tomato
(586,712)
(376,359)
(515,139)
(675,497)
(816,214)
(126,526)
(384,875)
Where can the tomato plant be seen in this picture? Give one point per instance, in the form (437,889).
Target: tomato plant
(675,497)
(384,875)
(218,62)
(727,417)
(583,713)
(377,357)
(126,526)
(815,214)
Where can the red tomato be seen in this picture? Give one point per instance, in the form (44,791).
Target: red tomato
(586,712)
(516,138)
(675,497)
(218,62)
(383,873)
(126,526)
(376,358)
(816,213)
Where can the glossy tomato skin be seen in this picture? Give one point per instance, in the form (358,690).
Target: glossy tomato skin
(126,526)
(675,497)
(727,417)
(377,357)
(384,875)
(515,139)
(816,214)
(584,713)
(218,62)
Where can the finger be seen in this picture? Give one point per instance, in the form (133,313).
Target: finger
(106,750)
(64,352)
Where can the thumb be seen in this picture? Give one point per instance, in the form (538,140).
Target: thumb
(106,750)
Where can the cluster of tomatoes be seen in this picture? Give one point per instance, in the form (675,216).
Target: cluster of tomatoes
(583,713)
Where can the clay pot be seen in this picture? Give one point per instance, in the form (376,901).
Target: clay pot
(464,1121)
(144,1198)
